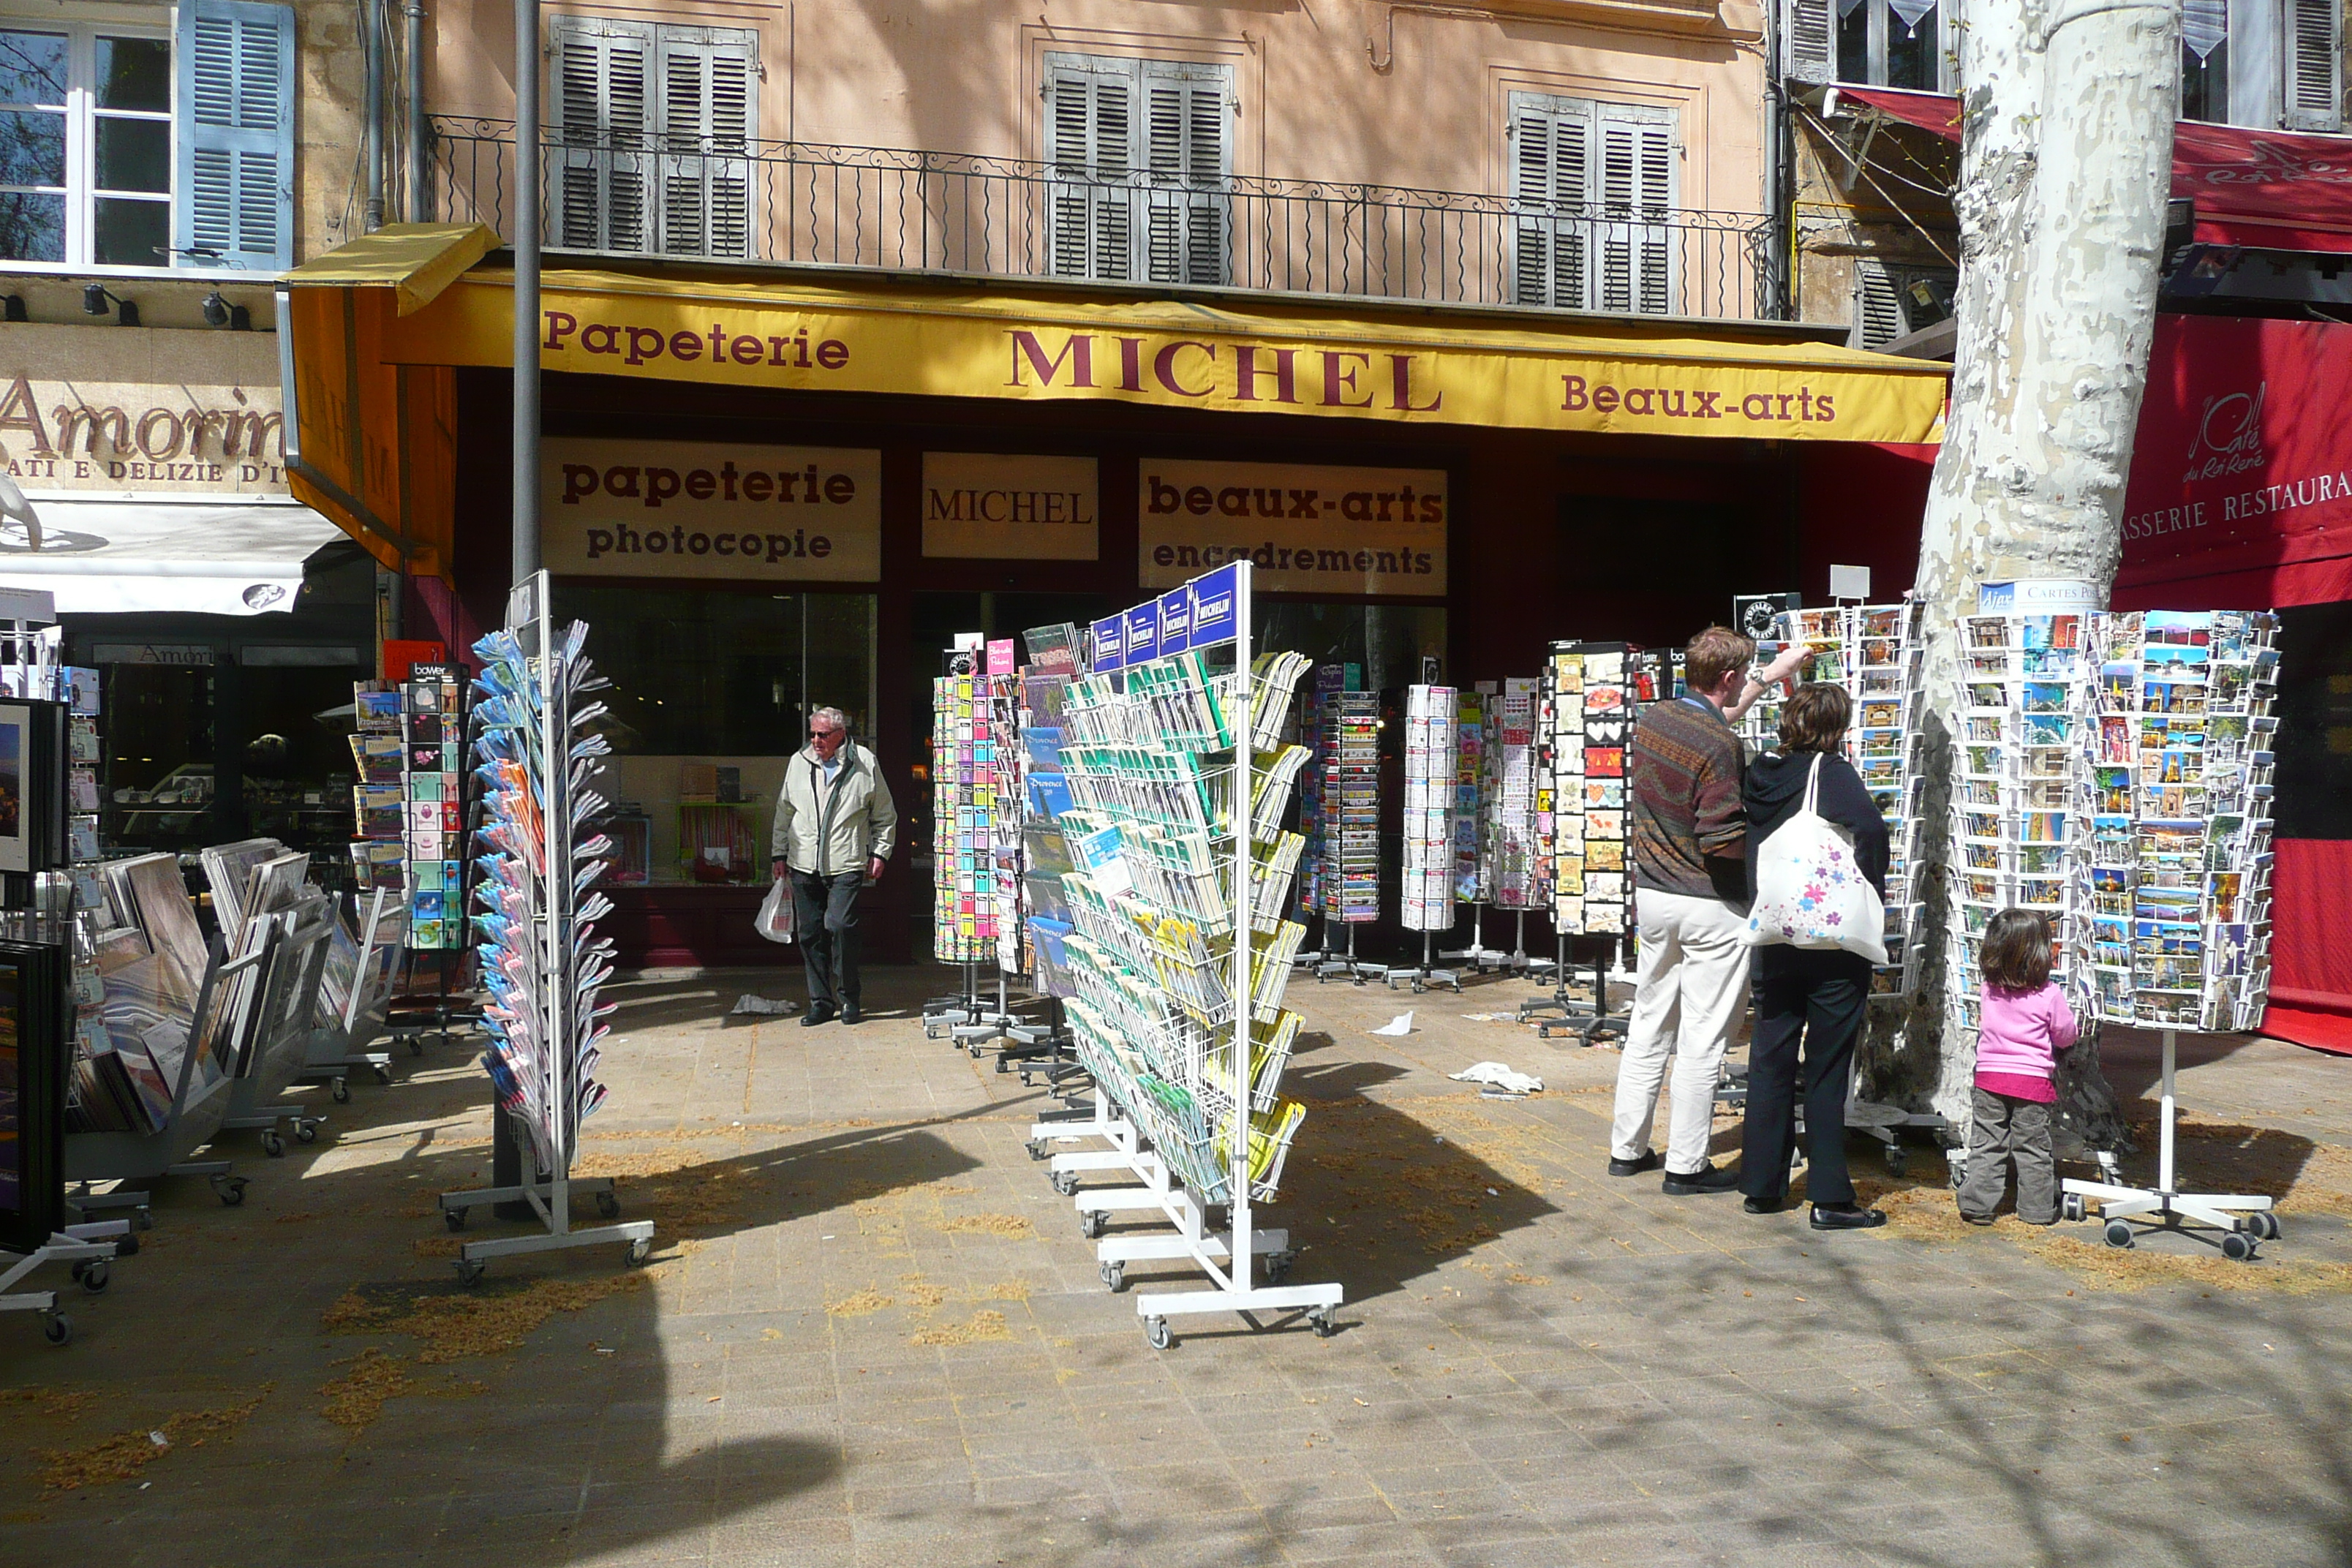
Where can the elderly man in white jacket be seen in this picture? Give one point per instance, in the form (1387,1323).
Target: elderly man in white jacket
(836,826)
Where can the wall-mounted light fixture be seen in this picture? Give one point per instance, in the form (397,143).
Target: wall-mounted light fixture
(94,297)
(219,312)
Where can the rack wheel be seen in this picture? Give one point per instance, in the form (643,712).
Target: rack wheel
(2269,1225)
(96,1276)
(306,1131)
(2237,1246)
(415,1044)
(1897,1161)
(1156,1331)
(641,1249)
(470,1272)
(1065,1183)
(1090,1223)
(1037,1147)
(231,1190)
(273,1145)
(1418,988)
(1959,1173)
(57,1329)
(454,1218)
(1324,1327)
(2118,1233)
(1003,1062)
(1277,1266)
(608,1205)
(340,1088)
(1114,1276)
(127,1244)
(383,1075)
(2073,1207)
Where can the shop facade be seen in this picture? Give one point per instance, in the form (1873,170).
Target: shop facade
(815,483)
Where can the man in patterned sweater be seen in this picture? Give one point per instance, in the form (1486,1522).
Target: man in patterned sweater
(1690,880)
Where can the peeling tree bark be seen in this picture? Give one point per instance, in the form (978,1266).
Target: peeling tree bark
(2065,164)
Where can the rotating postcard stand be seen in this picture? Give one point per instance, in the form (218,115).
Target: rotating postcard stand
(535,922)
(1425,887)
(1181,956)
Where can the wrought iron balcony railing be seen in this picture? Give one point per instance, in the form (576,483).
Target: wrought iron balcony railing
(899,210)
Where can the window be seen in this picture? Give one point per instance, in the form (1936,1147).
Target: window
(1592,204)
(1141,195)
(97,168)
(1872,43)
(2262,63)
(655,140)
(1892,301)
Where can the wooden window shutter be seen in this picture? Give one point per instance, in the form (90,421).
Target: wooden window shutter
(2315,64)
(1878,315)
(234,135)
(1637,179)
(1188,144)
(709,85)
(604,125)
(1090,144)
(1808,40)
(1552,193)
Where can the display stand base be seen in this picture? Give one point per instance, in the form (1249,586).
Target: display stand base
(1348,966)
(1422,974)
(1563,1016)
(92,1261)
(552,1202)
(1478,958)
(2244,1220)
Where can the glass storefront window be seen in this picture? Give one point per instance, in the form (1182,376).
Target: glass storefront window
(155,779)
(1388,640)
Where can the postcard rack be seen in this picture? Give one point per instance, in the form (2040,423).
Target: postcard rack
(1425,887)
(1179,957)
(538,744)
(1587,699)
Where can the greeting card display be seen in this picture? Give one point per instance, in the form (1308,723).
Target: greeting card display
(1431,762)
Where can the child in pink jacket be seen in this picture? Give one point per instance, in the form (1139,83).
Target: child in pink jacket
(2023,1024)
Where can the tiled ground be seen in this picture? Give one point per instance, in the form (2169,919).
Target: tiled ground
(873,1335)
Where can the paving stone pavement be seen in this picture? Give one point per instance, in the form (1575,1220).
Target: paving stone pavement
(871,1334)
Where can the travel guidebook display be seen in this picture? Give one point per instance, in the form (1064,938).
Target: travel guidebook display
(1179,783)
(409,752)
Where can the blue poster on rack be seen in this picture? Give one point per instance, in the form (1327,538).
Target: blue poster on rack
(1214,597)
(1111,642)
(1175,620)
(1143,633)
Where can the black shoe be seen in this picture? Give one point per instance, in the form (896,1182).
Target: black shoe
(1847,1217)
(1975,1219)
(849,1013)
(817,1014)
(1764,1205)
(1648,1162)
(1708,1178)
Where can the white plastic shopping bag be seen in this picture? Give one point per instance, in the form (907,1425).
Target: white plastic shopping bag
(1810,887)
(774,919)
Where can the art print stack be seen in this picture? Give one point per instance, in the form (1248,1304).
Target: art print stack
(1431,762)
(541,853)
(1590,691)
(2171,921)
(965,739)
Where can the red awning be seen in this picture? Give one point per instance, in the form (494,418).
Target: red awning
(2285,190)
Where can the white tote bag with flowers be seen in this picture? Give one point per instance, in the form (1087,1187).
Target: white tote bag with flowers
(1810,887)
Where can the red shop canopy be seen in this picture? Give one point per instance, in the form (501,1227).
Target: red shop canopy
(2283,190)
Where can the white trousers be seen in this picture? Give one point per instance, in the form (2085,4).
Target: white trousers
(1693,986)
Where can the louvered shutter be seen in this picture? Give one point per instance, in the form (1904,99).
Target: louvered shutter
(1808,40)
(1090,144)
(709,78)
(1188,144)
(1551,178)
(2315,64)
(1636,237)
(603,138)
(1878,315)
(234,134)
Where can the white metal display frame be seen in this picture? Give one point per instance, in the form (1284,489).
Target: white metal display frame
(530,618)
(2243,1219)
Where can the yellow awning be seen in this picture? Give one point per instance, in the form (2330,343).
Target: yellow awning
(415,260)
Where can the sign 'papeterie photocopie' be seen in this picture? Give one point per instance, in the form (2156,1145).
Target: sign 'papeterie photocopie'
(712,508)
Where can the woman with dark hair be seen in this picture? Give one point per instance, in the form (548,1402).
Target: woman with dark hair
(1811,998)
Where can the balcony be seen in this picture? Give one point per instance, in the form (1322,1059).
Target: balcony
(889,209)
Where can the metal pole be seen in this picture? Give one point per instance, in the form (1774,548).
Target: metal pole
(372,130)
(420,162)
(526,290)
(2164,1163)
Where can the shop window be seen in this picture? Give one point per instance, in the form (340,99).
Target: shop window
(1892,301)
(2263,63)
(2313,781)
(1141,158)
(1593,202)
(655,126)
(98,168)
(1870,42)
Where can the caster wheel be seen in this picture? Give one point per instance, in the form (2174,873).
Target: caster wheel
(273,1145)
(640,1249)
(2237,1246)
(415,1044)
(231,1190)
(2118,1233)
(1959,1175)
(2264,1225)
(1065,1183)
(608,1205)
(306,1132)
(1090,1223)
(1156,1331)
(2074,1208)
(57,1329)
(454,1218)
(1037,1147)
(1324,1327)
(96,1276)
(470,1272)
(342,1089)
(384,1076)
(1114,1276)
(1003,1066)
(1418,988)
(127,1244)
(1896,1161)
(1277,1266)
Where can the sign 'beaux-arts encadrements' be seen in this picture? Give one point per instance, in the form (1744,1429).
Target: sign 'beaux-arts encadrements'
(712,508)
(1305,529)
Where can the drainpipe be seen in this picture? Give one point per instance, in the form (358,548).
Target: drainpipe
(371,132)
(420,161)
(1778,200)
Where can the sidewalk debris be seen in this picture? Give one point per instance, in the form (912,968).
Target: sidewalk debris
(1399,1024)
(1497,1075)
(755,1006)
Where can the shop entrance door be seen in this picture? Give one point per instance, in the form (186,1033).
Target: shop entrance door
(157,786)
